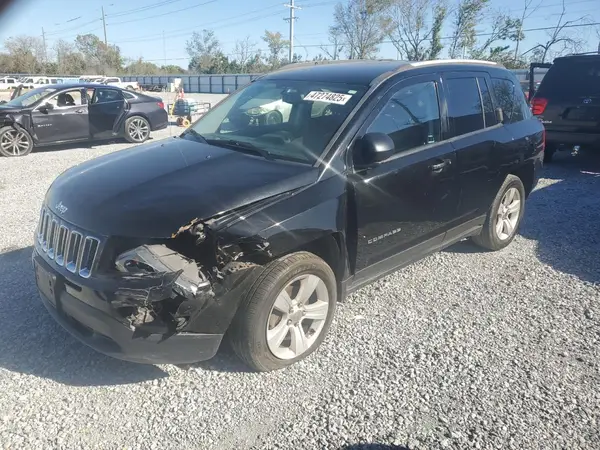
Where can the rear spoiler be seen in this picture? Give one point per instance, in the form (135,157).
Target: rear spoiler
(532,68)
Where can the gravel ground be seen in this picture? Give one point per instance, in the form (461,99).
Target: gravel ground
(461,350)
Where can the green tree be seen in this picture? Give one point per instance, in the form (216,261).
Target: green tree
(205,52)
(363,25)
(99,57)
(466,17)
(276,44)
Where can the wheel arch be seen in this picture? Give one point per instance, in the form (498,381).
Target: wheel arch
(526,173)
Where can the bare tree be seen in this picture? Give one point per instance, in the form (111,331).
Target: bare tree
(528,10)
(363,25)
(336,41)
(412,26)
(559,35)
(467,15)
(26,53)
(69,60)
(244,50)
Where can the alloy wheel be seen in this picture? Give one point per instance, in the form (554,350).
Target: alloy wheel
(508,213)
(297,317)
(139,129)
(14,142)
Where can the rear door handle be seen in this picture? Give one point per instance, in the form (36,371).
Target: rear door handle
(436,168)
(80,111)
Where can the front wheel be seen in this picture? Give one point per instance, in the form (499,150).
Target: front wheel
(504,217)
(137,129)
(286,314)
(14,142)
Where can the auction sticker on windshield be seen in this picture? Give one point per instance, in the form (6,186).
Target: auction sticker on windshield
(328,97)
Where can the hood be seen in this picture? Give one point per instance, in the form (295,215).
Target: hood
(9,109)
(151,190)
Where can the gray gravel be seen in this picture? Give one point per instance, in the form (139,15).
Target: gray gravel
(462,350)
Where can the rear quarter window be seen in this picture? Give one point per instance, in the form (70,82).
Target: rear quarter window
(511,99)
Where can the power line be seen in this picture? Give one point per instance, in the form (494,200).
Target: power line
(52,33)
(142,8)
(200,27)
(164,14)
(182,32)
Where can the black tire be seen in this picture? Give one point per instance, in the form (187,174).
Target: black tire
(248,331)
(549,154)
(489,237)
(8,133)
(131,124)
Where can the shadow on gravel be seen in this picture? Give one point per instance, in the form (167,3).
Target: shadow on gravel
(34,344)
(564,217)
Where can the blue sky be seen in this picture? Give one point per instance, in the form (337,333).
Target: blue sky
(140,33)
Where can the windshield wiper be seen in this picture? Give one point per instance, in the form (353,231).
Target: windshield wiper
(198,136)
(242,146)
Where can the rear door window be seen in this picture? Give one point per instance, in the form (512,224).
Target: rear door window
(572,78)
(465,110)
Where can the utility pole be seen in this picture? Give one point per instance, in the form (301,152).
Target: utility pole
(44,41)
(164,50)
(292,18)
(104,25)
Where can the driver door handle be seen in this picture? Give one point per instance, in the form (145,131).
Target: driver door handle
(436,168)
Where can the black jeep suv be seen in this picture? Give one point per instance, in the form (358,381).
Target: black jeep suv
(568,103)
(254,223)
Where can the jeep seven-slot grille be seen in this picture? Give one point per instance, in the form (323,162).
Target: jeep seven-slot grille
(68,247)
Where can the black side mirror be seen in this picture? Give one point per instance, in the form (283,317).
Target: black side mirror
(46,107)
(499,115)
(375,147)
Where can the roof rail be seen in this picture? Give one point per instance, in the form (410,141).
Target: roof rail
(326,61)
(454,61)
(597,52)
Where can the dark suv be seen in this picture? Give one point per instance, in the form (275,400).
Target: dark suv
(568,103)
(255,224)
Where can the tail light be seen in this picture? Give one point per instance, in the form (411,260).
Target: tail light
(538,105)
(161,105)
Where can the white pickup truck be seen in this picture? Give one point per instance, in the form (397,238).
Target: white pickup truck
(114,81)
(8,83)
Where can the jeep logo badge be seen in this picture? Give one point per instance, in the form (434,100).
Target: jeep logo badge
(587,101)
(61,208)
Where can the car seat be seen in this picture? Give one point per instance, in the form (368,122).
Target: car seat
(65,100)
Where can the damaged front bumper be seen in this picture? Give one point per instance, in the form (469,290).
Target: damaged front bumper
(171,317)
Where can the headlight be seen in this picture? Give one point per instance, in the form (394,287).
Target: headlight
(159,259)
(257,111)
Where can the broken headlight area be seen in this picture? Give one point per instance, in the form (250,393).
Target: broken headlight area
(162,289)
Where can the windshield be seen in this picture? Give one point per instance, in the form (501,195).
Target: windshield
(284,119)
(30,97)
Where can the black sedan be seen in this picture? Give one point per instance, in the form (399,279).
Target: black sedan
(65,113)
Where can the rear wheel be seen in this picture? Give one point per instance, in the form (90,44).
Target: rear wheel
(286,314)
(14,142)
(504,217)
(137,129)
